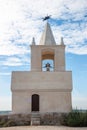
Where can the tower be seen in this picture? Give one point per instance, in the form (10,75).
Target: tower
(47,49)
(47,87)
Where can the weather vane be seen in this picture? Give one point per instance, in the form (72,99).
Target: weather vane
(47,17)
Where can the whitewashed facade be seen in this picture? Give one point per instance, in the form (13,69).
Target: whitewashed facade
(47,87)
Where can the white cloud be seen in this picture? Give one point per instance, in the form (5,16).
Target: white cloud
(9,49)
(16,61)
(22,19)
(13,62)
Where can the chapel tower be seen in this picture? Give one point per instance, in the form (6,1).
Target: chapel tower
(47,49)
(47,87)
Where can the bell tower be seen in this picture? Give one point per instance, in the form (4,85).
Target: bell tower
(47,50)
(48,86)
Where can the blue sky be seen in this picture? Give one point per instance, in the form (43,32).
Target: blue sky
(20,20)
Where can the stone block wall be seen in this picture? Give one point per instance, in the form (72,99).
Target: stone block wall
(15,120)
(25,119)
(52,118)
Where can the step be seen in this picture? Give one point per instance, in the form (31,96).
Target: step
(35,119)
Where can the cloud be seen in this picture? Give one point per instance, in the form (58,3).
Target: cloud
(13,62)
(16,61)
(22,19)
(9,49)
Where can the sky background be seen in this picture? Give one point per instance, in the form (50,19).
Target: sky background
(20,20)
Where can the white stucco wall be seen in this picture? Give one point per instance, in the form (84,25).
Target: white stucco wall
(48,101)
(41,80)
(36,56)
(54,89)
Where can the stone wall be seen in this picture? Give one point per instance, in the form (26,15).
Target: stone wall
(25,119)
(15,120)
(52,118)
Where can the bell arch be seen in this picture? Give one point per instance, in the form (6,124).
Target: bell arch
(47,59)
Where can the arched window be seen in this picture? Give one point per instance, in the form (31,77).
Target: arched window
(35,102)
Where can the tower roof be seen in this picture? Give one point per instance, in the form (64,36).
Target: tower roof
(47,37)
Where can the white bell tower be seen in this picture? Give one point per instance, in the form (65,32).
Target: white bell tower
(39,90)
(47,49)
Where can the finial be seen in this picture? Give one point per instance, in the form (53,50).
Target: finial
(46,17)
(33,41)
(62,42)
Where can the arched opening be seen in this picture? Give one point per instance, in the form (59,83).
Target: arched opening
(35,102)
(47,65)
(48,60)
